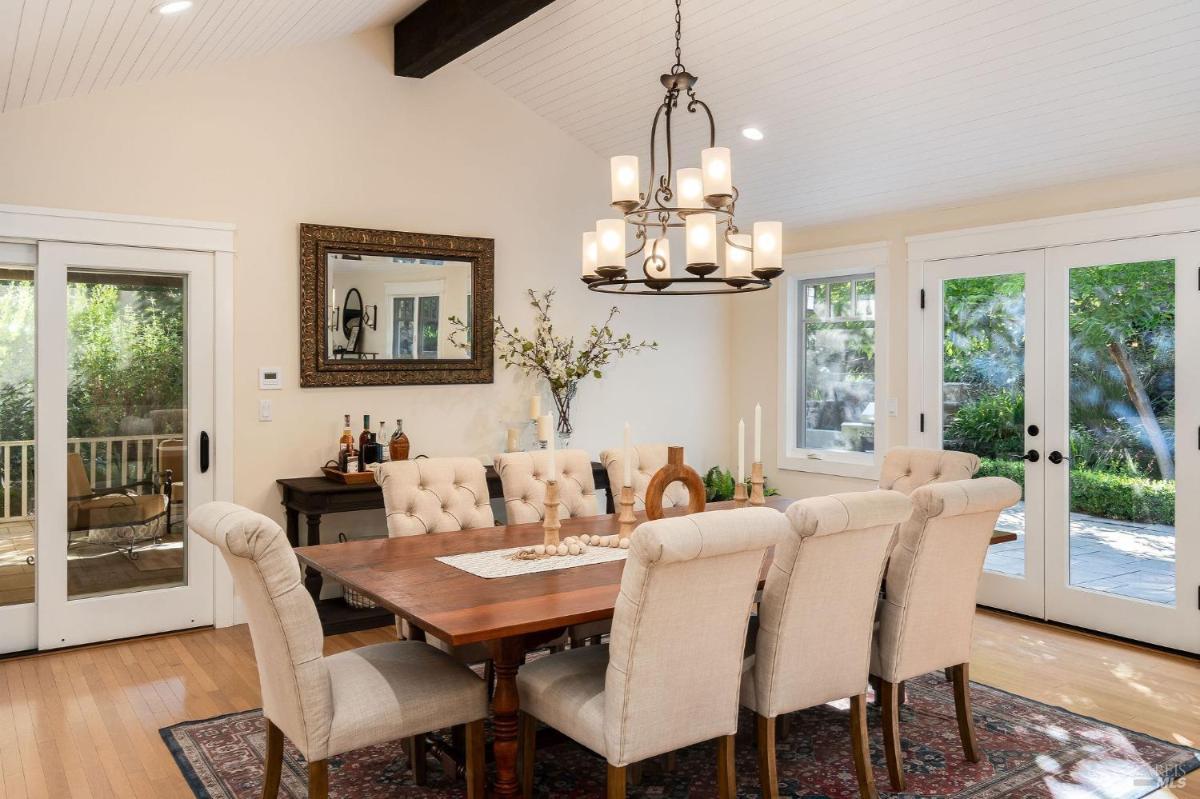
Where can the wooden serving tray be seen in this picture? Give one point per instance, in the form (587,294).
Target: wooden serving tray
(349,478)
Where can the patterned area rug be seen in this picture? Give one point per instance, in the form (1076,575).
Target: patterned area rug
(1030,750)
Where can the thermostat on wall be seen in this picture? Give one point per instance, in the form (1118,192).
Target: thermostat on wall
(269,378)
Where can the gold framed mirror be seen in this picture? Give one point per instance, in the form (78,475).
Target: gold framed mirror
(382,307)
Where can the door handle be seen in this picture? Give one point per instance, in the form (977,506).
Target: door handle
(1057,457)
(203,451)
(1033,456)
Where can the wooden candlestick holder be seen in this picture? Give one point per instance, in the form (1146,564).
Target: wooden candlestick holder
(626,521)
(757,497)
(739,494)
(550,523)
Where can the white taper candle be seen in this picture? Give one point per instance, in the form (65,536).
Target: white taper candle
(550,446)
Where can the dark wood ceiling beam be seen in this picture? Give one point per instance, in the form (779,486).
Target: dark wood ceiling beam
(439,31)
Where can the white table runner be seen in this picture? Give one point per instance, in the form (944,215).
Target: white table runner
(499,563)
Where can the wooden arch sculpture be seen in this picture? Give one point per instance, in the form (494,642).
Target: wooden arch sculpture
(676,471)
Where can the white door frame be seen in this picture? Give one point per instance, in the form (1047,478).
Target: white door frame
(1108,225)
(29,225)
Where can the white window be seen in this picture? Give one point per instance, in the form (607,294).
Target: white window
(834,404)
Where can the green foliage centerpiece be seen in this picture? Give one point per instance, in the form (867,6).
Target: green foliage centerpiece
(556,358)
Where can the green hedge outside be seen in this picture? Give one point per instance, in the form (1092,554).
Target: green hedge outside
(1109,496)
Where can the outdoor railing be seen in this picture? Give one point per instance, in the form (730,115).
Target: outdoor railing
(108,461)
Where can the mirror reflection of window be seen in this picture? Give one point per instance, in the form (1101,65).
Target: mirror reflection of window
(408,304)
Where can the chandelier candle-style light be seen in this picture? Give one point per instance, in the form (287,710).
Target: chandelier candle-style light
(700,200)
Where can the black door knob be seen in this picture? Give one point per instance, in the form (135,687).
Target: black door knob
(1032,456)
(1057,457)
(1033,430)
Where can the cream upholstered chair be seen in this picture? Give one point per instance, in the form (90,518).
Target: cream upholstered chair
(330,705)
(928,612)
(437,495)
(907,468)
(816,616)
(647,459)
(669,676)
(434,495)
(523,477)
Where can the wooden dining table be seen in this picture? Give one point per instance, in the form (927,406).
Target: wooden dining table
(512,615)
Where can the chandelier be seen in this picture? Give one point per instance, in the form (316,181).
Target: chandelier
(699,200)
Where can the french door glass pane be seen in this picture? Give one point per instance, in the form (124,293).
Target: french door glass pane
(429,326)
(983,389)
(403,312)
(126,432)
(17,365)
(1122,434)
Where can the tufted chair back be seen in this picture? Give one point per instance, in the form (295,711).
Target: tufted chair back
(434,495)
(908,468)
(297,695)
(523,476)
(647,459)
(817,611)
(926,619)
(679,630)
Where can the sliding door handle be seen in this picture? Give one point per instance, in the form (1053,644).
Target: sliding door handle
(203,451)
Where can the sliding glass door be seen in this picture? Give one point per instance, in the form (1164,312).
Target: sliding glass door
(1063,370)
(107,400)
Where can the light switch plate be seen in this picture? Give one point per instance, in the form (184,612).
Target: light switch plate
(893,407)
(270,378)
(264,410)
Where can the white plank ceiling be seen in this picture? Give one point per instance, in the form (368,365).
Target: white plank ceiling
(873,106)
(869,106)
(52,49)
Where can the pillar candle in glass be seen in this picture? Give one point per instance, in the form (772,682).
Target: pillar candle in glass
(589,254)
(544,430)
(610,244)
(718,173)
(624,169)
(689,188)
(535,407)
(737,260)
(701,231)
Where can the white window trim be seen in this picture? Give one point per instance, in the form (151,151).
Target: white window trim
(859,259)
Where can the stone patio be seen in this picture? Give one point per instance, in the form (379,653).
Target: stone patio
(1127,558)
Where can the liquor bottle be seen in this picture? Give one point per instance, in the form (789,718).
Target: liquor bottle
(398,446)
(384,449)
(364,443)
(347,455)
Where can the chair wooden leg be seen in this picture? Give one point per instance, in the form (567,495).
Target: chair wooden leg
(414,749)
(527,731)
(768,774)
(861,746)
(949,674)
(273,767)
(901,693)
(726,773)
(616,782)
(318,779)
(962,708)
(489,677)
(633,773)
(889,698)
(671,762)
(476,762)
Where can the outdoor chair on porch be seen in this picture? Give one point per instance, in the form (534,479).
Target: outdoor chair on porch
(120,516)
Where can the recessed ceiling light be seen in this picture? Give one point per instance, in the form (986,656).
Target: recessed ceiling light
(753,134)
(173,7)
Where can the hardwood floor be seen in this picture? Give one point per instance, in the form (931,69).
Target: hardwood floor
(84,723)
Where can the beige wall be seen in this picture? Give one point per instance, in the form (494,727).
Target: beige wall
(326,134)
(756,318)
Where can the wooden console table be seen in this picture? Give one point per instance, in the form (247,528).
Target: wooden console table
(317,496)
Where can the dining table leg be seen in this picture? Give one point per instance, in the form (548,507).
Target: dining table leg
(508,654)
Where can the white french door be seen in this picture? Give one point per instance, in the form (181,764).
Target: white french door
(1072,370)
(124,386)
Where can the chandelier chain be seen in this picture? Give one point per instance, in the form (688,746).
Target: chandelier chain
(678,36)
